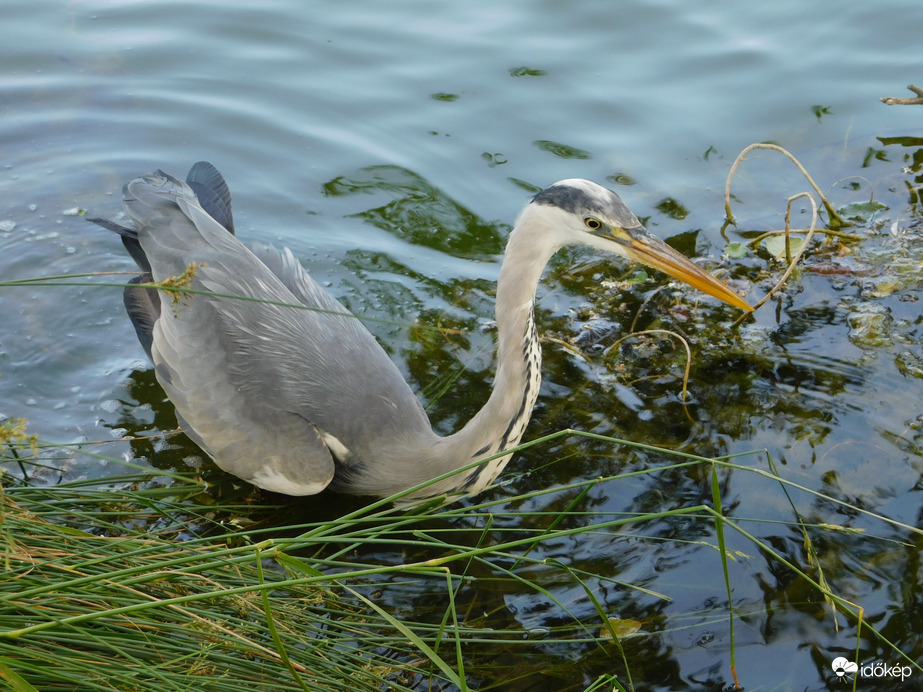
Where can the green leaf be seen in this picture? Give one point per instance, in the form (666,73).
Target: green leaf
(820,111)
(775,245)
(736,250)
(527,72)
(861,211)
(620,627)
(296,564)
(563,151)
(16,681)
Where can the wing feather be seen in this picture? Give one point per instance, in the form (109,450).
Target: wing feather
(261,380)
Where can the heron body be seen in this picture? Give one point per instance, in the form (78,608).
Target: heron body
(282,386)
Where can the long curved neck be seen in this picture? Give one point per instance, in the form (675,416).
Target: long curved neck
(503,418)
(500,424)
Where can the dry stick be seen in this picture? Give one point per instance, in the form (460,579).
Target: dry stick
(857,177)
(667,332)
(906,102)
(826,231)
(774,147)
(794,260)
(644,304)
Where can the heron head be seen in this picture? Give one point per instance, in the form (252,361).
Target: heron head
(581,212)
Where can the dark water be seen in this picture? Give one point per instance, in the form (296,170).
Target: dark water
(390,146)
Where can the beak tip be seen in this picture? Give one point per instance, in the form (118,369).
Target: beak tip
(738,302)
(653,252)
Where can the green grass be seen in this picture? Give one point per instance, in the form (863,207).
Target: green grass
(149,584)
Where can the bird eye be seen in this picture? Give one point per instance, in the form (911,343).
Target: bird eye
(593,224)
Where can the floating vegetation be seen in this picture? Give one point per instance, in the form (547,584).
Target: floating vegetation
(562,151)
(527,72)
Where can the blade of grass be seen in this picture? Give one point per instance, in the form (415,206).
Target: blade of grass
(415,639)
(271,625)
(722,549)
(605,619)
(16,682)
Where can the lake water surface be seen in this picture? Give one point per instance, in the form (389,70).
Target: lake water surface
(392,144)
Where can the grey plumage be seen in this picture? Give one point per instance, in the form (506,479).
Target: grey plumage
(292,399)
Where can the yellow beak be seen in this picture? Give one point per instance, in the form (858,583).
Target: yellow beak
(639,245)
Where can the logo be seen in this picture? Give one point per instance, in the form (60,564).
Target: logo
(842,668)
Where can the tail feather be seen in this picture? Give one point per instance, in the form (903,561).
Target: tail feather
(213,195)
(129,237)
(212,192)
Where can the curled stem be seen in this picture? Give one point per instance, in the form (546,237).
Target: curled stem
(792,261)
(834,216)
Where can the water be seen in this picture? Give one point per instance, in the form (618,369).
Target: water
(390,145)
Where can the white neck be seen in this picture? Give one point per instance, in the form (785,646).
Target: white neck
(500,424)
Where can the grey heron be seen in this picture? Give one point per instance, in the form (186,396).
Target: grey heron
(293,400)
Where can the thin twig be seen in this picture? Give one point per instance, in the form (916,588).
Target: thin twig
(908,101)
(668,333)
(826,231)
(794,260)
(857,177)
(643,305)
(834,216)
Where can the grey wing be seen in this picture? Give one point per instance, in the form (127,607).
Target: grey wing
(266,388)
(349,386)
(143,308)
